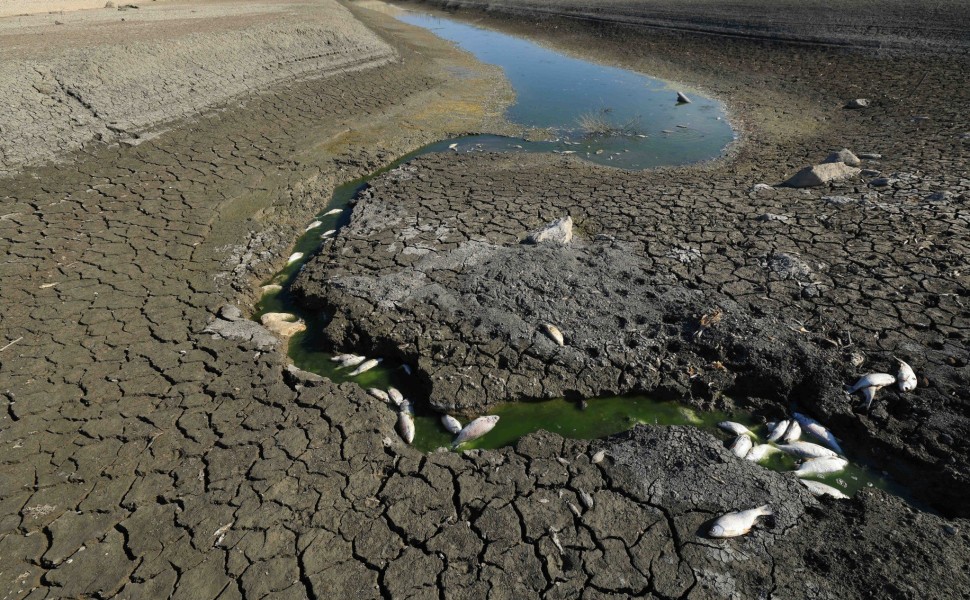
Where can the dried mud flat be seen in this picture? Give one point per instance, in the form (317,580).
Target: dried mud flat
(145,458)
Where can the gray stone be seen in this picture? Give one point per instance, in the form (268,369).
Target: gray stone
(230,313)
(821,174)
(870,155)
(559,231)
(843,156)
(243,330)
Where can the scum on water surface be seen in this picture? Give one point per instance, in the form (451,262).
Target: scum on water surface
(593,418)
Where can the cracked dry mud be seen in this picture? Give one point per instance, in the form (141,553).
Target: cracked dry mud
(143,457)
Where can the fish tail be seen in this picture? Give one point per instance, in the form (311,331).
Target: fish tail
(765,510)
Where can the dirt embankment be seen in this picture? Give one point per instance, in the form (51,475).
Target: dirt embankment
(936,25)
(113,74)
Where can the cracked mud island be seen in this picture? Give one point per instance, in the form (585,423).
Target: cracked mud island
(456,299)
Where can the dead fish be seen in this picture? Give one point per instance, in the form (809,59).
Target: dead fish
(598,457)
(475,429)
(817,488)
(406,407)
(314,225)
(738,523)
(453,147)
(340,357)
(352,360)
(294,257)
(876,380)
(379,394)
(793,432)
(735,428)
(682,99)
(396,396)
(333,211)
(906,377)
(367,365)
(406,369)
(760,452)
(741,446)
(554,334)
(821,466)
(586,498)
(807,450)
(778,430)
(819,431)
(451,424)
(405,426)
(328,233)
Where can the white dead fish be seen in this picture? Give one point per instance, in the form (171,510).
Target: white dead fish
(379,394)
(682,99)
(737,523)
(819,431)
(598,457)
(396,396)
(793,432)
(821,466)
(760,452)
(367,365)
(554,334)
(807,450)
(328,233)
(741,446)
(906,377)
(453,147)
(475,429)
(451,424)
(405,426)
(735,428)
(333,211)
(817,488)
(294,257)
(314,225)
(406,369)
(779,430)
(352,360)
(876,380)
(340,357)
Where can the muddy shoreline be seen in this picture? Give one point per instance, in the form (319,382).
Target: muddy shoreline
(146,457)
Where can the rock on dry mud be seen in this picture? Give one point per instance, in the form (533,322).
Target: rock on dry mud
(819,175)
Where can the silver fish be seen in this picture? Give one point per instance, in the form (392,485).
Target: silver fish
(405,426)
(876,380)
(793,432)
(807,450)
(779,430)
(333,211)
(396,396)
(817,488)
(554,334)
(314,225)
(475,429)
(451,424)
(760,452)
(367,365)
(406,369)
(340,357)
(741,446)
(379,394)
(352,360)
(328,233)
(294,257)
(819,431)
(821,466)
(735,428)
(906,377)
(737,523)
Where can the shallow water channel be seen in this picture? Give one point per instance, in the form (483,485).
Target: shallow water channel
(630,98)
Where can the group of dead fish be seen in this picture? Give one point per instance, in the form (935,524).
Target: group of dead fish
(405,413)
(817,460)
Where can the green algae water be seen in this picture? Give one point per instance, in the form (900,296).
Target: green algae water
(638,147)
